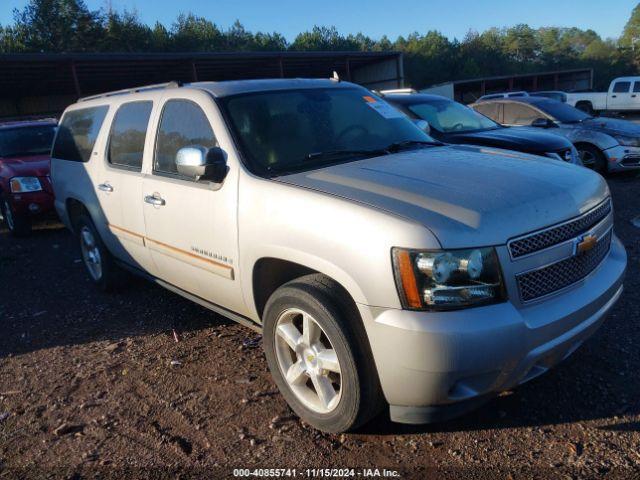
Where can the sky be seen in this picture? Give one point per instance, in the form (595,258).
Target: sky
(454,18)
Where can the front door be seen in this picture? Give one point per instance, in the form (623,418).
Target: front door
(191,228)
(620,96)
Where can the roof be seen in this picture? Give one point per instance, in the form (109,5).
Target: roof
(414,98)
(518,75)
(530,100)
(235,87)
(28,123)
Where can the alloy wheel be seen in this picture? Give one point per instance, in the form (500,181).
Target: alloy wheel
(308,361)
(90,253)
(8,216)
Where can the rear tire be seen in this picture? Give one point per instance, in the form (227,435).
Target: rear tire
(100,264)
(18,225)
(592,158)
(317,350)
(586,107)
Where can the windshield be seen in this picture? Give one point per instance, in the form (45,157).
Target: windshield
(446,116)
(293,130)
(562,112)
(25,141)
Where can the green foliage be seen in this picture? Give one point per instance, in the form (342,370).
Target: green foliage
(69,26)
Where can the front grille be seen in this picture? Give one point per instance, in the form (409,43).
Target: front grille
(554,235)
(631,160)
(546,280)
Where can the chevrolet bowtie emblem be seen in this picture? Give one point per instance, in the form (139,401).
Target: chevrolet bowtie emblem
(584,244)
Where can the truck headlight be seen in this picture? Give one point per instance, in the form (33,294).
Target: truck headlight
(440,280)
(628,141)
(25,184)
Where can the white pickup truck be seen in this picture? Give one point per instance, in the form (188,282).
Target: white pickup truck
(623,96)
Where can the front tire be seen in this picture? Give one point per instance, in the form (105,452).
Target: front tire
(100,264)
(18,225)
(592,158)
(319,356)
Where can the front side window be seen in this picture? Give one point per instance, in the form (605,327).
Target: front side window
(294,130)
(447,116)
(518,114)
(621,87)
(128,133)
(183,124)
(24,141)
(562,112)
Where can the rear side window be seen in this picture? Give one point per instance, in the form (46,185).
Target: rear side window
(518,114)
(621,87)
(77,133)
(128,133)
(636,87)
(491,110)
(183,124)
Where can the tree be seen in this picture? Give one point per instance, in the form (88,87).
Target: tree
(57,26)
(192,34)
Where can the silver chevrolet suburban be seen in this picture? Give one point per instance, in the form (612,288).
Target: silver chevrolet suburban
(383,267)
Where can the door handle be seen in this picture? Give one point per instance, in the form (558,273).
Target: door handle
(105,187)
(633,96)
(614,96)
(154,200)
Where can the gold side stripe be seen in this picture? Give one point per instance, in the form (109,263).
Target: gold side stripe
(172,248)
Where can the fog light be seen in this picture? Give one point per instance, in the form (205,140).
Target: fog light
(34,207)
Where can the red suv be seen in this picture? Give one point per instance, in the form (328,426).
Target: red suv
(25,185)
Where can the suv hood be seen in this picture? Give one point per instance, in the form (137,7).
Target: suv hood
(611,126)
(513,139)
(25,166)
(467,196)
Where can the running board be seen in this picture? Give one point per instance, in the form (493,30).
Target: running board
(194,298)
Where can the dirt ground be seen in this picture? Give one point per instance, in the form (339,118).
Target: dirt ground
(94,385)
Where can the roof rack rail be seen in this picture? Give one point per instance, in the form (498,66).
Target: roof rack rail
(396,90)
(144,88)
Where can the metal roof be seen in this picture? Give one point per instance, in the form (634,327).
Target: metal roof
(24,75)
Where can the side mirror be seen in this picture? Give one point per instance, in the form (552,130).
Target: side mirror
(543,123)
(202,163)
(422,125)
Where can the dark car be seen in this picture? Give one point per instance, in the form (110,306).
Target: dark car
(605,144)
(25,185)
(452,122)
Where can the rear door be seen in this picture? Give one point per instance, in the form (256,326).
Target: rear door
(119,183)
(620,96)
(635,96)
(191,226)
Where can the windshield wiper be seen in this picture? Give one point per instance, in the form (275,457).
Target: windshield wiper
(397,146)
(344,153)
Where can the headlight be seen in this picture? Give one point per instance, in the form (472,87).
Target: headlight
(440,280)
(628,141)
(25,184)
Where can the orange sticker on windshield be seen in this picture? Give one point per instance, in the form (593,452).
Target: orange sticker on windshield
(369,99)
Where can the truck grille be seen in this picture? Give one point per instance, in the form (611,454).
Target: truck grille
(554,235)
(546,280)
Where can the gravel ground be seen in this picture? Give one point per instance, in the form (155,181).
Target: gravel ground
(94,385)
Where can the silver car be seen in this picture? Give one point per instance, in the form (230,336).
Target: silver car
(383,268)
(604,144)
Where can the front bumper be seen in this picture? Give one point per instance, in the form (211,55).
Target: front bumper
(31,203)
(436,365)
(622,158)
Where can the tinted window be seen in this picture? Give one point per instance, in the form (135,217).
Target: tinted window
(183,124)
(621,87)
(447,116)
(35,140)
(77,133)
(636,87)
(128,132)
(518,114)
(491,110)
(294,130)
(562,112)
